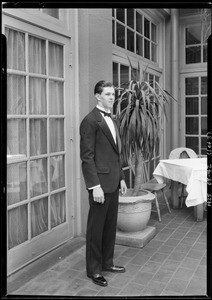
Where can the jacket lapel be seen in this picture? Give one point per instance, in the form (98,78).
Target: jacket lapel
(103,125)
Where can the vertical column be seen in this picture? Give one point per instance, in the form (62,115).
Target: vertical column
(175,75)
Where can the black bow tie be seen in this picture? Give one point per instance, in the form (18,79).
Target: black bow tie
(105,113)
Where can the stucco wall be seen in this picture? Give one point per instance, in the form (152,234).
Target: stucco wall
(95,63)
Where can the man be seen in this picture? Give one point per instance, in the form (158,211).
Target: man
(100,148)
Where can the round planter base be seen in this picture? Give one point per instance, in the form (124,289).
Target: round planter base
(134,211)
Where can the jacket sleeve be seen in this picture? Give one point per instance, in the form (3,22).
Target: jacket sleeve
(87,152)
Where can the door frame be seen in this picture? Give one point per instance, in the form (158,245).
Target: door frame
(28,251)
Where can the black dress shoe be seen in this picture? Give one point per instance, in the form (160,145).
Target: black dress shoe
(98,279)
(115,269)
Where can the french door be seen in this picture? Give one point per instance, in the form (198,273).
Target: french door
(40,209)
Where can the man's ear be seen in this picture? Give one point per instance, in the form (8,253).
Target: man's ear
(97,95)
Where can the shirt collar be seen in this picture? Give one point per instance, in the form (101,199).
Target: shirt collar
(101,108)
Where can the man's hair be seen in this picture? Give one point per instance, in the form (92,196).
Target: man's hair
(98,89)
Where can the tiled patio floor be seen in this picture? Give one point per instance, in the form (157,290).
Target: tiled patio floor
(172,263)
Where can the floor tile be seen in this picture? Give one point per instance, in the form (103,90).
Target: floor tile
(178,256)
(171,242)
(196,254)
(198,283)
(177,285)
(159,257)
(108,291)
(86,292)
(166,249)
(132,289)
(119,280)
(190,263)
(131,269)
(130,252)
(142,277)
(163,275)
(139,259)
(170,265)
(151,267)
(183,273)
(154,288)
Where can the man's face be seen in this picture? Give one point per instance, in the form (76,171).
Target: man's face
(106,98)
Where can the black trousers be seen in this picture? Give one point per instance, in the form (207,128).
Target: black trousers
(101,232)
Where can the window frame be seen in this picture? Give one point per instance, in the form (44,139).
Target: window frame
(155,18)
(189,22)
(183,112)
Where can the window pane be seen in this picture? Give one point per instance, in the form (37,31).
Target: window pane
(17,226)
(130,17)
(120,14)
(192,106)
(135,75)
(193,143)
(154,52)
(204,146)
(204,110)
(38,136)
(139,22)
(56,135)
(203,85)
(193,35)
(130,40)
(193,55)
(192,125)
(204,125)
(37,55)
(151,80)
(146,49)
(37,96)
(16,137)
(113,32)
(205,53)
(56,106)
(39,216)
(16,94)
(38,177)
(113,12)
(115,74)
(16,182)
(154,36)
(120,37)
(124,76)
(15,49)
(55,60)
(139,45)
(57,172)
(192,86)
(146,28)
(58,209)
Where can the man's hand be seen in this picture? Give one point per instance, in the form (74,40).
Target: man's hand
(98,195)
(123,187)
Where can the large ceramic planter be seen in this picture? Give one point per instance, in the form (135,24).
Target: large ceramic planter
(134,211)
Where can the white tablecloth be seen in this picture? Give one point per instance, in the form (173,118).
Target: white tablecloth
(190,171)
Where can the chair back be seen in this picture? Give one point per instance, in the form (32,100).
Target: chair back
(182,152)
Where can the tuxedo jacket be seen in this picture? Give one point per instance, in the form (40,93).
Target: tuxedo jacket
(100,155)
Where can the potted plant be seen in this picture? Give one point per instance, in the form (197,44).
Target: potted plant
(140,111)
